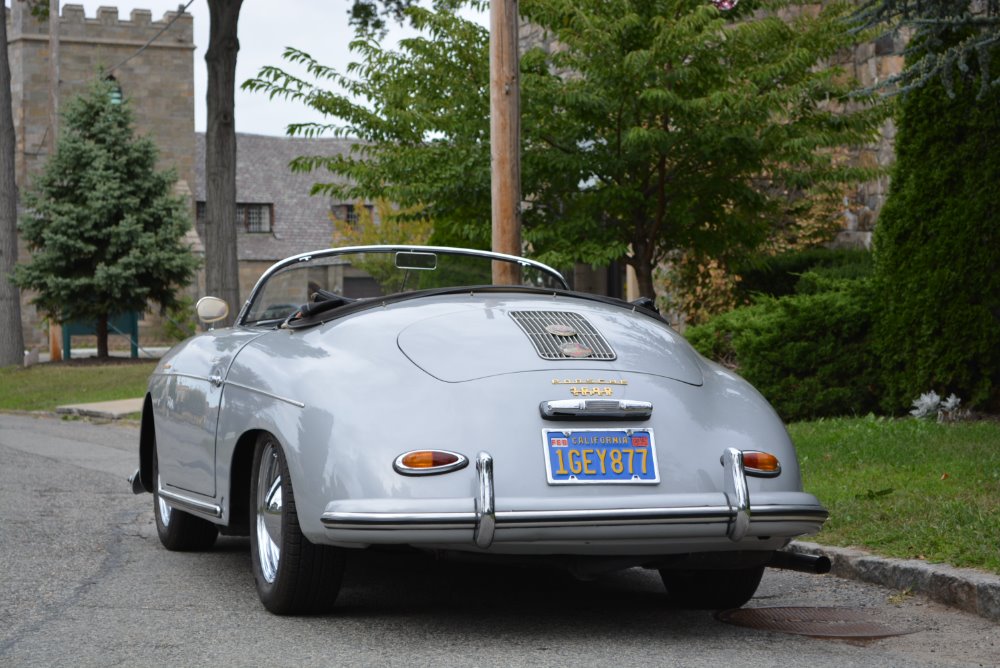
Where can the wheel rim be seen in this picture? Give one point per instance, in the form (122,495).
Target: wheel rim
(269,509)
(164,507)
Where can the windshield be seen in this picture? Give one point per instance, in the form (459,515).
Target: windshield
(378,271)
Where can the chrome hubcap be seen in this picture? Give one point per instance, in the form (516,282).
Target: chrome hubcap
(269,508)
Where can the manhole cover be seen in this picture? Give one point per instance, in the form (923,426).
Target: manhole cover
(816,622)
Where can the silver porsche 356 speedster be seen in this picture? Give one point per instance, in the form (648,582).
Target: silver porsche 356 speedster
(392,395)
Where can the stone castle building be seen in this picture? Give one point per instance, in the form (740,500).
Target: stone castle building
(152,63)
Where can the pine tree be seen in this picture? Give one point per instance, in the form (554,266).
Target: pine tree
(101,222)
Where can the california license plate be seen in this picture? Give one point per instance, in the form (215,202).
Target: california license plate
(600,456)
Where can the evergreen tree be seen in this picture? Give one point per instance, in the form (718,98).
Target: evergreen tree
(955,37)
(104,229)
(937,249)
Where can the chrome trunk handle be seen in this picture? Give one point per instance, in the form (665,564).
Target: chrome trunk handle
(596,409)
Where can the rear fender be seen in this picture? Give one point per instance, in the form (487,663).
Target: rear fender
(147,445)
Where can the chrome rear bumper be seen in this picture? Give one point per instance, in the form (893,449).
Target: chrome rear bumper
(484,524)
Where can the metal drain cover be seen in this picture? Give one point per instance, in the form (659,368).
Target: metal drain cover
(855,623)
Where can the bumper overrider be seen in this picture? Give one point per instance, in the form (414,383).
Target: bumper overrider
(484,526)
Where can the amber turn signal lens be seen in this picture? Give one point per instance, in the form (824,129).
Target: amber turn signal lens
(429,462)
(761,462)
(425,459)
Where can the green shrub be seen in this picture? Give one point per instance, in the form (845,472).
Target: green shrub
(809,354)
(937,250)
(779,275)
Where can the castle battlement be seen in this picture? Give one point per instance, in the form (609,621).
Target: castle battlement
(105,26)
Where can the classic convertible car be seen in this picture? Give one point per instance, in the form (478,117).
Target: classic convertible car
(393,395)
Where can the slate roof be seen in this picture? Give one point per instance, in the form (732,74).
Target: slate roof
(301,221)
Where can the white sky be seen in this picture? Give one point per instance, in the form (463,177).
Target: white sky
(266,27)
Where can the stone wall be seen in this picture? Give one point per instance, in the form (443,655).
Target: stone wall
(869,64)
(156,77)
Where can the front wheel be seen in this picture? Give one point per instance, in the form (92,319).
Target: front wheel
(711,589)
(293,576)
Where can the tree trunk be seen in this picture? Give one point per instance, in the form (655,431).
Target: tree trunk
(642,262)
(221,262)
(102,336)
(11,338)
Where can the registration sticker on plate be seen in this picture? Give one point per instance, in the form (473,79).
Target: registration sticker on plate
(600,456)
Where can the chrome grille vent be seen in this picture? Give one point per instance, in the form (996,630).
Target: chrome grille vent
(560,335)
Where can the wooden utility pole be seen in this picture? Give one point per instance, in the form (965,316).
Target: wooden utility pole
(55,330)
(505,138)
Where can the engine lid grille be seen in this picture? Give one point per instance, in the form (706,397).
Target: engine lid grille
(563,335)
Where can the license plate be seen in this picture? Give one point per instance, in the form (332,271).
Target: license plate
(600,456)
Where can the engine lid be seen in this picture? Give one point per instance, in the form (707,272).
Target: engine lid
(491,340)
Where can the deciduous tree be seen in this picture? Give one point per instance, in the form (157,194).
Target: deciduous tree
(105,231)
(652,126)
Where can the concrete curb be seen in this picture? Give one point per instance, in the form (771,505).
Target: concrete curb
(111,410)
(963,588)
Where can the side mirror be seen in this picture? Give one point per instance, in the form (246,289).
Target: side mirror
(211,309)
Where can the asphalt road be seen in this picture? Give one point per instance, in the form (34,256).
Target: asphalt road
(84,582)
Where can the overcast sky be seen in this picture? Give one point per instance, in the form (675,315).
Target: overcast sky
(318,27)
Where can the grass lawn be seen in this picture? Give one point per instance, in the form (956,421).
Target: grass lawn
(907,488)
(42,387)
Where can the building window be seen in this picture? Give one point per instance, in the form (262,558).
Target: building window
(348,213)
(254,218)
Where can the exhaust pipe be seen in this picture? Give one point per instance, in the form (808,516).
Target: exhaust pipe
(804,563)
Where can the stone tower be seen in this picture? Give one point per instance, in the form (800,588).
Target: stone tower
(151,61)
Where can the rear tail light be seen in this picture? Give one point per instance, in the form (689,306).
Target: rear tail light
(429,462)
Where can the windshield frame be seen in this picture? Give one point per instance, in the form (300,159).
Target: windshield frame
(347,250)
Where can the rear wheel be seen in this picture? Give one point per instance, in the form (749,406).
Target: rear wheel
(711,589)
(179,531)
(293,576)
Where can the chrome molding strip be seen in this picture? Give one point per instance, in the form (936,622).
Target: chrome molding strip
(379,521)
(183,375)
(293,402)
(517,519)
(614,516)
(737,493)
(789,514)
(190,504)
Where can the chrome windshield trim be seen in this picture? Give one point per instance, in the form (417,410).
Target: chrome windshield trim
(188,503)
(612,409)
(331,252)
(293,402)
(737,493)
